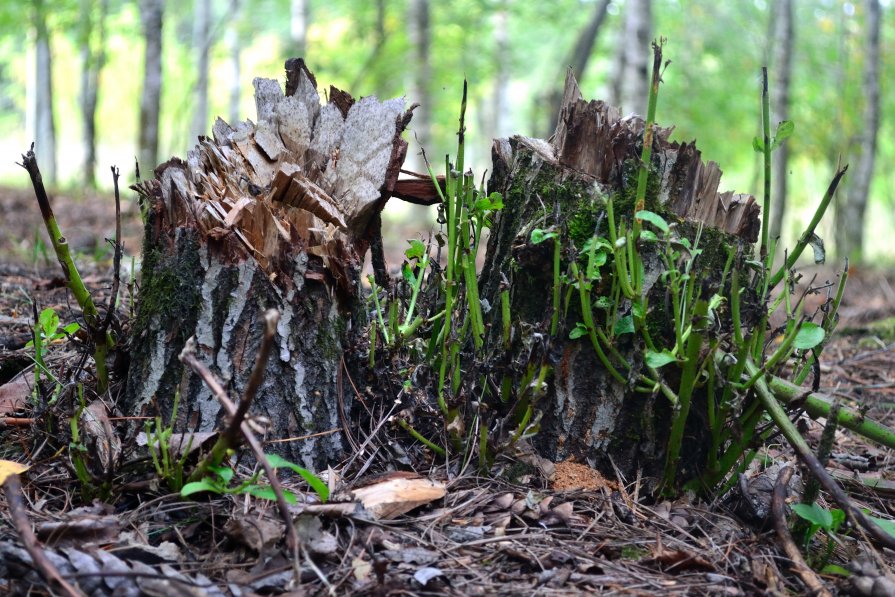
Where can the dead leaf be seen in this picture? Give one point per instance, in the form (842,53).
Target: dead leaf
(9,467)
(14,394)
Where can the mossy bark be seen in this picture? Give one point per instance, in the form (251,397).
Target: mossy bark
(563,184)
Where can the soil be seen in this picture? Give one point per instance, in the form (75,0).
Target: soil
(550,529)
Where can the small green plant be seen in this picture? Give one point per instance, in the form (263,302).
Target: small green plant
(221,479)
(819,518)
(47,330)
(168,467)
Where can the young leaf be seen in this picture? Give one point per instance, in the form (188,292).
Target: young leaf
(267,493)
(784,130)
(625,325)
(417,249)
(659,359)
(814,514)
(809,336)
(198,487)
(579,331)
(538,236)
(653,218)
(49,321)
(757,145)
(313,480)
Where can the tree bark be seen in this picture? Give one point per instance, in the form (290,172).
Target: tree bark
(151,15)
(93,58)
(783,44)
(630,85)
(580,56)
(201,47)
(850,219)
(563,184)
(279,215)
(44,133)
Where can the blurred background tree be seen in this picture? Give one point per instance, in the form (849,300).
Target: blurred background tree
(96,82)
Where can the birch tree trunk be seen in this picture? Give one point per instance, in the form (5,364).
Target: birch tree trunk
(234,49)
(277,214)
(201,47)
(630,85)
(44,133)
(850,219)
(783,45)
(151,16)
(420,33)
(300,19)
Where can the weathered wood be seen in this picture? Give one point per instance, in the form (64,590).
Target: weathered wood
(594,154)
(273,214)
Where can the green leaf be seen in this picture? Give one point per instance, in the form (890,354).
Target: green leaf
(198,487)
(407,273)
(758,144)
(313,480)
(653,218)
(72,328)
(648,235)
(625,325)
(604,303)
(809,336)
(835,569)
(814,514)
(784,130)
(417,249)
(267,493)
(659,359)
(637,310)
(538,236)
(49,321)
(886,525)
(224,472)
(579,331)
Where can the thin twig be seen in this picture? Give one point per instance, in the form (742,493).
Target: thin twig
(778,508)
(188,357)
(116,262)
(47,570)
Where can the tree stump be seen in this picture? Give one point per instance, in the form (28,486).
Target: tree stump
(274,214)
(593,154)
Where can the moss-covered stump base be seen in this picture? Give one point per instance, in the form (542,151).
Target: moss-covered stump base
(563,185)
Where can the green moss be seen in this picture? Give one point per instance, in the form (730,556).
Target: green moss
(583,222)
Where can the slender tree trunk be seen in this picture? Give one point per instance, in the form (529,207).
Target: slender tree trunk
(630,86)
(784,42)
(850,228)
(151,14)
(202,44)
(93,58)
(234,46)
(579,58)
(501,104)
(44,133)
(420,34)
(300,19)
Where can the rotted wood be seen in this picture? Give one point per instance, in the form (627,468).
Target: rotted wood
(278,214)
(595,153)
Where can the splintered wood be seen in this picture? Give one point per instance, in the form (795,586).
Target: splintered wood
(305,176)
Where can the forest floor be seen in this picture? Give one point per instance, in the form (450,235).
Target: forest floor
(558,529)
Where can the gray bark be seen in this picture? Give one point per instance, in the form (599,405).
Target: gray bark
(151,15)
(93,58)
(501,104)
(44,133)
(630,84)
(850,227)
(201,46)
(269,215)
(783,44)
(300,19)
(420,33)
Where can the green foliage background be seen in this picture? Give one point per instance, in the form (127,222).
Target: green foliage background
(710,92)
